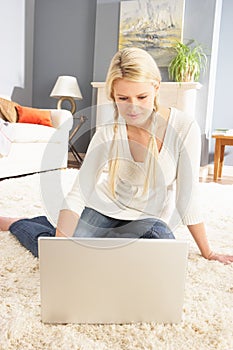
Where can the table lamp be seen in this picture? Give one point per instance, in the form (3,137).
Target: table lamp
(67,88)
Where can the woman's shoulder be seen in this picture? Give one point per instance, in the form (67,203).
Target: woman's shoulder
(181,124)
(182,121)
(182,116)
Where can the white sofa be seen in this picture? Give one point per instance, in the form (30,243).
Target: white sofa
(36,148)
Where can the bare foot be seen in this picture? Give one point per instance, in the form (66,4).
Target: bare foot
(5,222)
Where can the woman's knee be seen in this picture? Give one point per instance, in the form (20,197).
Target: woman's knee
(158,230)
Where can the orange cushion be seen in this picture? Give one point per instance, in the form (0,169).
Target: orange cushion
(33,116)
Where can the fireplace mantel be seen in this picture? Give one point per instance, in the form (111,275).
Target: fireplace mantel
(179,95)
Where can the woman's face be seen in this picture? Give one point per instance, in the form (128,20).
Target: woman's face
(134,100)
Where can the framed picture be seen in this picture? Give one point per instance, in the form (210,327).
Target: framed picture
(153,25)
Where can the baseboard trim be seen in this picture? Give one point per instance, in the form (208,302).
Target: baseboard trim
(227,170)
(209,170)
(204,171)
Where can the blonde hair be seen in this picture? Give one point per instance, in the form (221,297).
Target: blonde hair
(136,65)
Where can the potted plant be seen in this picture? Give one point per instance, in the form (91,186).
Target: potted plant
(188,63)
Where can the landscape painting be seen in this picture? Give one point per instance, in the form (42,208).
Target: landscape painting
(153,25)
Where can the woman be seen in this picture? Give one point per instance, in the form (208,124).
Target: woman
(140,174)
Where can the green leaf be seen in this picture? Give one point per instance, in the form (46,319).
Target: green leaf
(188,63)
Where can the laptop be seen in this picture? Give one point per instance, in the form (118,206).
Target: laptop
(112,280)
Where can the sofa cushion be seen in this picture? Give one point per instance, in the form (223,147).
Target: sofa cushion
(33,116)
(8,111)
(24,133)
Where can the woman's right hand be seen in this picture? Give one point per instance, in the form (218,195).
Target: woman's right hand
(224,259)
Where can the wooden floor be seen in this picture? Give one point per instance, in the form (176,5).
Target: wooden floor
(225,180)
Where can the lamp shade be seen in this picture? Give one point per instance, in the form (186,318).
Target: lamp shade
(66,86)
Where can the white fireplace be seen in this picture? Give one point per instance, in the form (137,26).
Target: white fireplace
(179,95)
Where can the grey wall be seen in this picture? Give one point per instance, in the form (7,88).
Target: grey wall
(106,36)
(64,45)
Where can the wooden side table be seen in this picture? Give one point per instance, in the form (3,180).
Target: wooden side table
(220,142)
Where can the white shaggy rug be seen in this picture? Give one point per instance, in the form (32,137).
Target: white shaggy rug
(208,307)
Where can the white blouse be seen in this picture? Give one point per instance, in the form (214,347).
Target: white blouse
(172,194)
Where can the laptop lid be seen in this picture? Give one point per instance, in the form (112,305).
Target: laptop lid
(112,280)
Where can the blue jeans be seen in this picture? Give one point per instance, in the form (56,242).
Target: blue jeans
(27,231)
(91,224)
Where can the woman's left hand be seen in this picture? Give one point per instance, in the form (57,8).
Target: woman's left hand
(225,259)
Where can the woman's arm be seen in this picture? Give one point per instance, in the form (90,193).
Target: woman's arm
(199,234)
(85,183)
(67,222)
(188,202)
